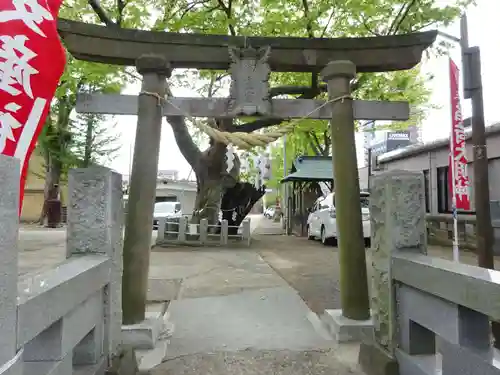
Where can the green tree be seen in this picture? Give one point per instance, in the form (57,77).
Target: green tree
(305,18)
(57,139)
(95,140)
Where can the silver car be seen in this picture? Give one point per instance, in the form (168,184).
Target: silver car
(166,210)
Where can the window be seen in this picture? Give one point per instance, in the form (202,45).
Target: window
(444,198)
(427,190)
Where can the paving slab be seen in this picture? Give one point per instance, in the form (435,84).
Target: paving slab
(266,319)
(258,362)
(160,290)
(212,273)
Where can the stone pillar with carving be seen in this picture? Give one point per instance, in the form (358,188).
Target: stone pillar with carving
(397,210)
(10,359)
(139,221)
(95,225)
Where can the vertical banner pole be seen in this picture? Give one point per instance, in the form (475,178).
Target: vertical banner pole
(459,180)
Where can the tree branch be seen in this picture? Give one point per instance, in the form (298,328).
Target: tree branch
(296,90)
(101,13)
(306,93)
(327,24)
(188,148)
(228,10)
(314,143)
(120,4)
(267,122)
(309,28)
(400,17)
(193,5)
(327,141)
(365,24)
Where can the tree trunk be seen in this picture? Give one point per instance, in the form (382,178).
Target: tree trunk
(208,198)
(237,203)
(46,188)
(88,142)
(212,180)
(51,190)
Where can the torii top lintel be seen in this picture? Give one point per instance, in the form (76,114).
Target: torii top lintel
(123,46)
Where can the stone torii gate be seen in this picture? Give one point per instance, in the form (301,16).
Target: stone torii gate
(156,53)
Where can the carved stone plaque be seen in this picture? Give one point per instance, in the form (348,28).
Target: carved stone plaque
(249,93)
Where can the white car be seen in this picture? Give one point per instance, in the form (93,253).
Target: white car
(269,212)
(322,221)
(166,210)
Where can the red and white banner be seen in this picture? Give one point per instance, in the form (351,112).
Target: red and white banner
(32,60)
(459,179)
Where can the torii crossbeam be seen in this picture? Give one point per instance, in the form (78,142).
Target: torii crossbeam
(115,104)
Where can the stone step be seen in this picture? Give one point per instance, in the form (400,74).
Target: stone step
(149,359)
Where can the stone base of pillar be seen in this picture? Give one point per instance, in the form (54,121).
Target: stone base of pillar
(343,329)
(374,360)
(149,339)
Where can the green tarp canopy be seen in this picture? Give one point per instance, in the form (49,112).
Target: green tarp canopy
(311,168)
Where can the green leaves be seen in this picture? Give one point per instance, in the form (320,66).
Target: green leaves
(304,18)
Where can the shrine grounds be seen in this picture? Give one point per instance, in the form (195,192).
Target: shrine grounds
(247,311)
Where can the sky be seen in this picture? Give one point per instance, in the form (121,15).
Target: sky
(484,31)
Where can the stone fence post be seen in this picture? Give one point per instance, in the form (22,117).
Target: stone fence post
(95,225)
(10,361)
(397,210)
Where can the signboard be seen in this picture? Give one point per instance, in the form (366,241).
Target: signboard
(393,141)
(397,140)
(398,136)
(379,148)
(458,177)
(32,61)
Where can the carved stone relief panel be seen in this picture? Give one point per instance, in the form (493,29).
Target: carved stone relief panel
(398,224)
(249,92)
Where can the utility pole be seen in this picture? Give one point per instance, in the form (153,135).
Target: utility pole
(473,89)
(471,61)
(284,203)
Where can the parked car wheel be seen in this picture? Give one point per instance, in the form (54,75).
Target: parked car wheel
(324,240)
(309,235)
(327,241)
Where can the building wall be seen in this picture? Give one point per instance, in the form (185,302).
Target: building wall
(185,195)
(433,159)
(363,178)
(34,187)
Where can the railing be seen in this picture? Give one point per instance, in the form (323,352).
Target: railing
(430,315)
(67,319)
(445,307)
(181,232)
(440,230)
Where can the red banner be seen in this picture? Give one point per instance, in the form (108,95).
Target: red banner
(459,179)
(32,61)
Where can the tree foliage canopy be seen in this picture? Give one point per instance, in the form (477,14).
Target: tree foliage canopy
(304,18)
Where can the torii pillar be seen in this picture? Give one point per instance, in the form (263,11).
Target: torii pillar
(139,223)
(347,324)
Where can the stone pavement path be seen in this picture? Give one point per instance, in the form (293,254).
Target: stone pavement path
(257,362)
(235,314)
